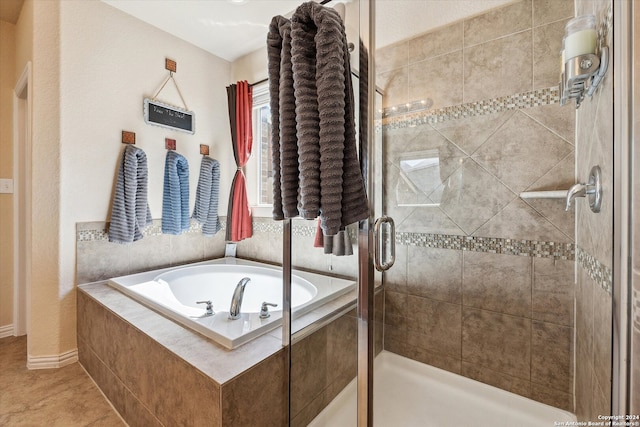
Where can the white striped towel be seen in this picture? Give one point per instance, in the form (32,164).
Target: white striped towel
(205,210)
(130,212)
(175,200)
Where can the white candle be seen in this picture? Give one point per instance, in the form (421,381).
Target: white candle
(580,36)
(580,43)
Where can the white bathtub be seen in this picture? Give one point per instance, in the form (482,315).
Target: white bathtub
(174,292)
(412,394)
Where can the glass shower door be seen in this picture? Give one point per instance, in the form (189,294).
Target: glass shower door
(483,285)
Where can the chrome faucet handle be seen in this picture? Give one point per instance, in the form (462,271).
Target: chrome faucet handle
(593,189)
(209,307)
(264,310)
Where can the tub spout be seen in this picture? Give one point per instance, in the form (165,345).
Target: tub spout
(236,300)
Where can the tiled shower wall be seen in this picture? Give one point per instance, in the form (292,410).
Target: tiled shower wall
(483,282)
(594,231)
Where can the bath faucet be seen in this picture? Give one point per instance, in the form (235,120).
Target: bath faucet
(236,300)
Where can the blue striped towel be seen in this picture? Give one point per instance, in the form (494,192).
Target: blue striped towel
(205,210)
(130,210)
(175,201)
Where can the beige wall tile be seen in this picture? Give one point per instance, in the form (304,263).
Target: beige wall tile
(497,282)
(395,86)
(471,132)
(546,11)
(553,291)
(437,42)
(558,399)
(438,79)
(307,384)
(584,383)
(100,260)
(392,57)
(405,349)
(257,397)
(551,356)
(602,337)
(560,119)
(433,325)
(435,273)
(472,196)
(584,311)
(498,23)
(497,341)
(519,221)
(560,177)
(516,161)
(547,44)
(187,248)
(499,67)
(150,253)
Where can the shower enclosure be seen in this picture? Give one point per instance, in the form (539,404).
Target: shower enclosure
(465,147)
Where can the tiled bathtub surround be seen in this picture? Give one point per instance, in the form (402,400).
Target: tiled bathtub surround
(483,282)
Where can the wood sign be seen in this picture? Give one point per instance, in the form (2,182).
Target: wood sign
(159,114)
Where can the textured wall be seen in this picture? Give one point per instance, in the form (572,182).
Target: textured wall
(7,83)
(109,62)
(472,290)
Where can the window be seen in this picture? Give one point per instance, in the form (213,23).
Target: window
(260,167)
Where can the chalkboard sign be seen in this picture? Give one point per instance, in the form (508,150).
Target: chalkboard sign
(159,114)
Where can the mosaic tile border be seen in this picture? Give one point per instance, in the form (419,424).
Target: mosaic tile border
(414,114)
(155,229)
(532,248)
(598,272)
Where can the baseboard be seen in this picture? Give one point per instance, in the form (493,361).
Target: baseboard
(6,331)
(48,362)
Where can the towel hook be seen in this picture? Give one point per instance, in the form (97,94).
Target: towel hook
(204,149)
(170,144)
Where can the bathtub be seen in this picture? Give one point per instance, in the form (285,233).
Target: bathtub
(413,394)
(175,292)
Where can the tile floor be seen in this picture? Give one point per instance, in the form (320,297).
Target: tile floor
(64,397)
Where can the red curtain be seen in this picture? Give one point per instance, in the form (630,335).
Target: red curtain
(239,223)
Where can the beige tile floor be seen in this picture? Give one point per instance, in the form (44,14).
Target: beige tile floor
(64,397)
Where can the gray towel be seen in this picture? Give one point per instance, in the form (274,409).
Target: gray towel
(338,244)
(283,119)
(175,201)
(130,212)
(330,181)
(205,210)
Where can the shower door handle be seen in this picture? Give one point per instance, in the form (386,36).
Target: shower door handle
(387,264)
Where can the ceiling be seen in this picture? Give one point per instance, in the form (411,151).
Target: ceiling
(232,28)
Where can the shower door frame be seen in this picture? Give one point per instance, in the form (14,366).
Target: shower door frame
(366,283)
(623,196)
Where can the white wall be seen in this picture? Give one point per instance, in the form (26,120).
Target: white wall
(109,62)
(7,82)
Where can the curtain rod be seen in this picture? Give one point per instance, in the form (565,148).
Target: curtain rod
(258,82)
